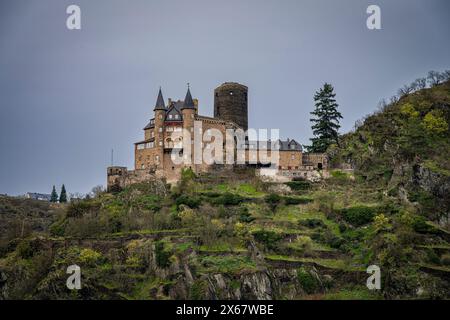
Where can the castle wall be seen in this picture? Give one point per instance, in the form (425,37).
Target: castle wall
(231,103)
(317,160)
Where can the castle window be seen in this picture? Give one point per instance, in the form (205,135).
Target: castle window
(170,116)
(160,143)
(152,134)
(140,146)
(217,94)
(142,166)
(160,116)
(292,156)
(293,146)
(176,116)
(160,130)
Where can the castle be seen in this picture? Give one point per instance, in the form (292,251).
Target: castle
(168,135)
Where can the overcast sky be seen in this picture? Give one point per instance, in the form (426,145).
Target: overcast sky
(68,97)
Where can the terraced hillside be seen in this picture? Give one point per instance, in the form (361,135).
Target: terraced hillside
(240,239)
(233,236)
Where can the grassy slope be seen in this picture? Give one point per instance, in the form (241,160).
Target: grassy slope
(337,227)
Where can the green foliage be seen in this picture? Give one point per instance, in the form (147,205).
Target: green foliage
(339,175)
(58,228)
(326,122)
(308,282)
(25,249)
(90,256)
(244,215)
(359,215)
(54,195)
(269,238)
(299,185)
(435,123)
(162,256)
(273,200)
(190,201)
(63,195)
(228,199)
(420,225)
(312,223)
(198,289)
(297,200)
(187,174)
(78,208)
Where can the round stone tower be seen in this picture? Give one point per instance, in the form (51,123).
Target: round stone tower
(231,103)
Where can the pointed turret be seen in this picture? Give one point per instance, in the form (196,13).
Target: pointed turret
(160,102)
(188,102)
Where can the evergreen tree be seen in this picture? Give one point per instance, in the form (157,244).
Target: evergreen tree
(54,195)
(326,121)
(63,195)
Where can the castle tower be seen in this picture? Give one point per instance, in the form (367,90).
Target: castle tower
(188,111)
(231,103)
(160,113)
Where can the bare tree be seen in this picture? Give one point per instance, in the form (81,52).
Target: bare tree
(405,90)
(435,78)
(420,83)
(97,190)
(446,74)
(393,100)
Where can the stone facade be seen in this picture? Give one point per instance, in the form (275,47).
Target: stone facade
(165,134)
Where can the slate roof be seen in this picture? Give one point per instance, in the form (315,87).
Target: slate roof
(160,102)
(151,124)
(287,145)
(175,110)
(188,102)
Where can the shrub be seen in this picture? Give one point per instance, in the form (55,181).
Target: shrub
(190,201)
(244,215)
(299,185)
(312,223)
(339,175)
(162,256)
(25,249)
(89,256)
(420,225)
(228,199)
(307,280)
(294,201)
(58,228)
(212,194)
(358,216)
(79,208)
(268,238)
(198,289)
(273,200)
(432,257)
